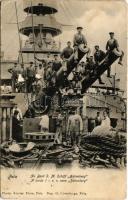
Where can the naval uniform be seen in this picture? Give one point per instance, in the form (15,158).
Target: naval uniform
(79,39)
(56,65)
(110,46)
(99,55)
(30,78)
(66,53)
(74,127)
(14,71)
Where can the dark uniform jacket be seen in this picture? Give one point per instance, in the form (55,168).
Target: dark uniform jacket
(31,72)
(112,44)
(66,53)
(99,56)
(16,129)
(14,71)
(79,39)
(56,65)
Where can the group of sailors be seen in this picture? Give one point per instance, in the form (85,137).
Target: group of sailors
(40,76)
(42,41)
(74,125)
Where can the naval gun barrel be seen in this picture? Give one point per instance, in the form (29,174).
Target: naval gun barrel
(60,77)
(110,58)
(71,64)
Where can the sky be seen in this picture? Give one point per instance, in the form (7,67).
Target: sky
(98,18)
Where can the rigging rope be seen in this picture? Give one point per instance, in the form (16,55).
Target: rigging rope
(33,31)
(21,49)
(20,43)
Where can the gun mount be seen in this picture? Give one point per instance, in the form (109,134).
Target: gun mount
(109,59)
(45,102)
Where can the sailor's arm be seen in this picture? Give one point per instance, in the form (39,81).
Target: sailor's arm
(40,60)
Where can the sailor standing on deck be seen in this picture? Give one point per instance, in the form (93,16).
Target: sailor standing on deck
(14,77)
(78,40)
(74,128)
(30,76)
(112,44)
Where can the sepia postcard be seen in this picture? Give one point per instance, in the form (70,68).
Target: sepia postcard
(63,97)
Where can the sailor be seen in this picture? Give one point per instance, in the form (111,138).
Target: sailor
(92,66)
(14,77)
(74,127)
(83,70)
(48,39)
(40,39)
(5,89)
(98,119)
(21,78)
(59,129)
(54,45)
(105,126)
(43,61)
(23,71)
(30,113)
(65,54)
(48,73)
(112,44)
(40,72)
(31,38)
(78,87)
(44,123)
(67,51)
(19,114)
(30,76)
(78,40)
(16,127)
(99,55)
(56,63)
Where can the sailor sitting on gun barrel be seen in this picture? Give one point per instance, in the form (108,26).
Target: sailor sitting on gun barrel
(79,39)
(112,44)
(66,53)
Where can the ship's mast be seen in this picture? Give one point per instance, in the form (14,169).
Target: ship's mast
(40,26)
